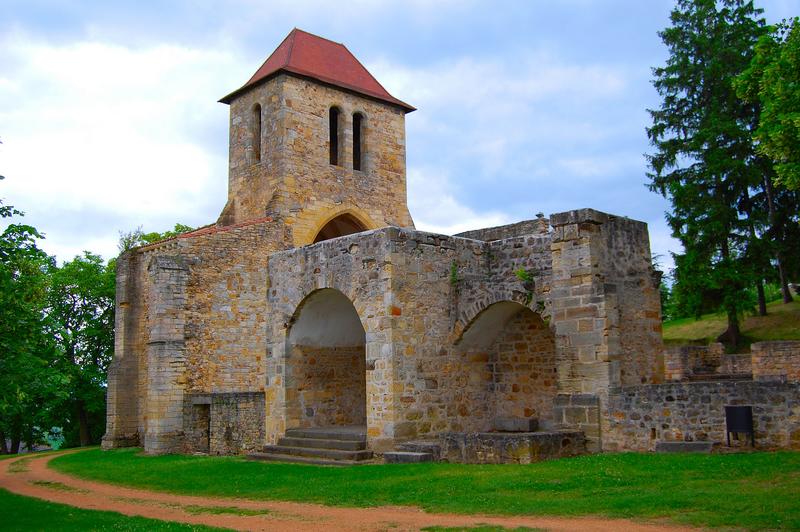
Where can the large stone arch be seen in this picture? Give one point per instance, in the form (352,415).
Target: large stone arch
(478,304)
(325,362)
(508,354)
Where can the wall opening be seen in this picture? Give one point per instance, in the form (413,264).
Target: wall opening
(256,133)
(326,368)
(333,135)
(358,141)
(345,224)
(200,425)
(506,357)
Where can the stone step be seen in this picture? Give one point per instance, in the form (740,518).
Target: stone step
(344,445)
(431,447)
(311,452)
(702,377)
(684,446)
(406,457)
(294,459)
(332,433)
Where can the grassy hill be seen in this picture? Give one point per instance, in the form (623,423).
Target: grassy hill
(781,323)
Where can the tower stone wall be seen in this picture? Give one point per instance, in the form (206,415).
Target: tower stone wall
(294,181)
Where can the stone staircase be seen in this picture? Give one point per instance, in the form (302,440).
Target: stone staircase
(337,446)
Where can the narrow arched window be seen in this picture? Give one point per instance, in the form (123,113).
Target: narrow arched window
(333,134)
(358,140)
(257,133)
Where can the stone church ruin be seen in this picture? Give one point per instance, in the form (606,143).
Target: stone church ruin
(312,321)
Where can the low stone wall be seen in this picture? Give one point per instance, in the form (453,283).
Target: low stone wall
(684,361)
(510,448)
(736,364)
(640,416)
(237,422)
(776,361)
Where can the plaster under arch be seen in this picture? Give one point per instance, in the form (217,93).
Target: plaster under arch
(482,331)
(326,318)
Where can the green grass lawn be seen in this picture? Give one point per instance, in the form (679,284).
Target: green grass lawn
(781,323)
(25,513)
(748,490)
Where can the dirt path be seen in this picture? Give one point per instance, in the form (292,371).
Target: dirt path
(31,477)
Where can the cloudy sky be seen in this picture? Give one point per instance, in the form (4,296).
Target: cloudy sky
(109,116)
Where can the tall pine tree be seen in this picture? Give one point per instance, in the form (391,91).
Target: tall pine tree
(704,161)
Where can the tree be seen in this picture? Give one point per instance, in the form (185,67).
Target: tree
(703,160)
(773,81)
(29,382)
(81,312)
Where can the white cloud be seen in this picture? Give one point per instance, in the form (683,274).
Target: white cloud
(606,166)
(97,127)
(522,109)
(434,207)
(486,85)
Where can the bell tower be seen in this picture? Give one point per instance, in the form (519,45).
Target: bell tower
(317,144)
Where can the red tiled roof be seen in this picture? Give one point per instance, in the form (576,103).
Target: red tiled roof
(308,55)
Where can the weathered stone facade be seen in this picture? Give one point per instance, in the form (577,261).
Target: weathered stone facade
(313,302)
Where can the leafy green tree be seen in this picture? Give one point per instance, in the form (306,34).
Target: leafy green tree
(703,160)
(81,319)
(137,237)
(29,382)
(773,81)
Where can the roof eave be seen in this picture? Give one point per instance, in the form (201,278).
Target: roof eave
(393,102)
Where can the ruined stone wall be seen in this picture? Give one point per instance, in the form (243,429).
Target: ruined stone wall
(503,232)
(642,415)
(404,288)
(580,411)
(776,361)
(295,181)
(194,308)
(330,383)
(638,301)
(237,423)
(226,334)
(442,284)
(440,387)
(606,307)
(123,398)
(684,361)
